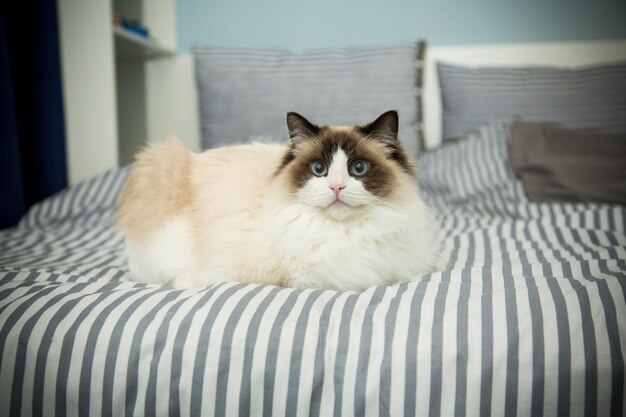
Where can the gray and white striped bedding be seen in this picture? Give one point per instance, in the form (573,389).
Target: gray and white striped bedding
(525,316)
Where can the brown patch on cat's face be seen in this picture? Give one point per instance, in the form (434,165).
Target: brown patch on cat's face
(375,143)
(386,161)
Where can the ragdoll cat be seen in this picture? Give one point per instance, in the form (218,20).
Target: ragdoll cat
(336,208)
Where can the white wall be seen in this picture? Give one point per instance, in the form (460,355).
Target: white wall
(88,87)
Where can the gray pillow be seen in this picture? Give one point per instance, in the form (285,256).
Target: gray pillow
(568,165)
(246,93)
(591,97)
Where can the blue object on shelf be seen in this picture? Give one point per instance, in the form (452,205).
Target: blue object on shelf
(138,29)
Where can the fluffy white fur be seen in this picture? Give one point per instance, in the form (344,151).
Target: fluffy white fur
(355,245)
(242,223)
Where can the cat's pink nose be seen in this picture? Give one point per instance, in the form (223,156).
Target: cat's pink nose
(337,189)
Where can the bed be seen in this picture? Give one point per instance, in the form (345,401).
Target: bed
(525,315)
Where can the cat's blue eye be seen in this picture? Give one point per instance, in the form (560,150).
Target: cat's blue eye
(319,169)
(359,168)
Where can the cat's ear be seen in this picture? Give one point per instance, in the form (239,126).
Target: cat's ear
(385,128)
(300,129)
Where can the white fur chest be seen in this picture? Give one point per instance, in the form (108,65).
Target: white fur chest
(381,247)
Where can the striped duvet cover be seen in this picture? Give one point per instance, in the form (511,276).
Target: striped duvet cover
(525,316)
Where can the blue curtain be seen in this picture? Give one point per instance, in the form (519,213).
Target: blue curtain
(33,164)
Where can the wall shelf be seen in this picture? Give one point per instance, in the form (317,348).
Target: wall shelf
(120,90)
(131,45)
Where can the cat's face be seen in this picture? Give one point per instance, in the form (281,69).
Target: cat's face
(345,170)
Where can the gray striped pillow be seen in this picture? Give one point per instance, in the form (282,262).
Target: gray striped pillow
(246,93)
(591,97)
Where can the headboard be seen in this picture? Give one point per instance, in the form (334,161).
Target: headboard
(561,54)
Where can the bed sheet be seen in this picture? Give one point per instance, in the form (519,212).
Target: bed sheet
(525,315)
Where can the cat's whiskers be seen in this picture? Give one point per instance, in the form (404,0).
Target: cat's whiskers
(377,202)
